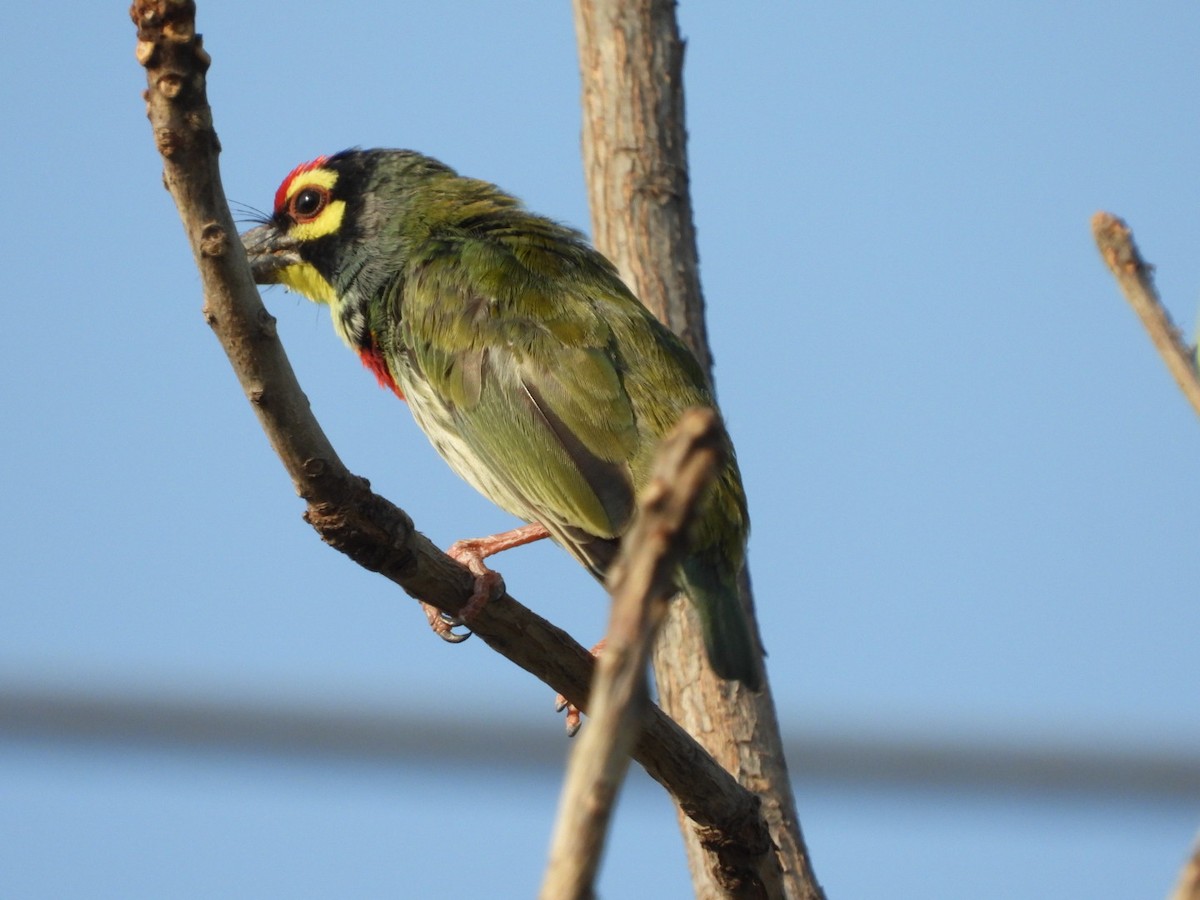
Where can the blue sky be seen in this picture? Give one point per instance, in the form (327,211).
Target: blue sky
(971,479)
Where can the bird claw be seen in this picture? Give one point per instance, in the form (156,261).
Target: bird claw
(443,624)
(574,719)
(488,586)
(573,722)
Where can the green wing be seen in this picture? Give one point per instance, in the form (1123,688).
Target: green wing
(530,373)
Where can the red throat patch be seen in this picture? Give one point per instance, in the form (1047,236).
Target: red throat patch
(281,194)
(372,358)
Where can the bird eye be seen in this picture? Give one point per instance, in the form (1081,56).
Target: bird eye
(307,204)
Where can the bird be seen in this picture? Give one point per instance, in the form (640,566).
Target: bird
(532,368)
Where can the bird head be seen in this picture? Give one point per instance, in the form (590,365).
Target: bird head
(338,234)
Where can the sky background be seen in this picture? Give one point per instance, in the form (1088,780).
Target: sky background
(972,481)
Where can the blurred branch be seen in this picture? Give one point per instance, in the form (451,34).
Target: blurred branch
(1188,886)
(341,507)
(157,716)
(641,583)
(1135,278)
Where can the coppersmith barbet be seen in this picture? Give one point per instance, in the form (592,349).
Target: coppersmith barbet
(534,371)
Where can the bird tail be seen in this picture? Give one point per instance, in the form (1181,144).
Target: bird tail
(732,651)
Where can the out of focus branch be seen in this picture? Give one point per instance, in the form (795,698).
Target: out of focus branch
(641,583)
(1135,278)
(1188,886)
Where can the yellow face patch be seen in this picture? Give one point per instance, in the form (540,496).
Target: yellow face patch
(305,199)
(303,278)
(329,219)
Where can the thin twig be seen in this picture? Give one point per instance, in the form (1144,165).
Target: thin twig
(341,507)
(1135,278)
(641,585)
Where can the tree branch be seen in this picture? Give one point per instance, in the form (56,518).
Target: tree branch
(340,505)
(635,159)
(1135,278)
(641,584)
(1188,885)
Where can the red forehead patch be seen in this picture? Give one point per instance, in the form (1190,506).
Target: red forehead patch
(281,194)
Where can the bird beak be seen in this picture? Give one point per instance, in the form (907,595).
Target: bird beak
(269,251)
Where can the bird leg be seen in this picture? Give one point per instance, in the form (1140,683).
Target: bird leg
(574,717)
(471,552)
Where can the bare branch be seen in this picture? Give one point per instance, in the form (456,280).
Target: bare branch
(1135,278)
(341,507)
(635,159)
(641,583)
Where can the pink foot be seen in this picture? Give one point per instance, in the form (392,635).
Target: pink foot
(443,625)
(574,719)
(471,552)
